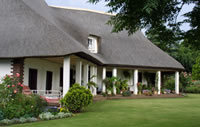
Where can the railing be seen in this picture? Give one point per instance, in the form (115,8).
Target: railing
(48,93)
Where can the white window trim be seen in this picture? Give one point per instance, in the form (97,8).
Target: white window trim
(94,47)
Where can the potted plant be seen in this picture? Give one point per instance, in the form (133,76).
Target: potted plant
(156,90)
(123,86)
(109,83)
(140,86)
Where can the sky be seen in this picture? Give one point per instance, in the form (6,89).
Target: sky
(101,7)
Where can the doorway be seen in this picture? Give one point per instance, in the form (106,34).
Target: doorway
(49,80)
(33,79)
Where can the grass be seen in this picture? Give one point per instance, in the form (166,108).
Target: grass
(173,112)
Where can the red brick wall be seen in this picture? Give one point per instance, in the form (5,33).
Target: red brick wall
(18,67)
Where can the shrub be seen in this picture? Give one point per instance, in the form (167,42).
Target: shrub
(26,106)
(148,93)
(185,80)
(1,115)
(126,93)
(32,119)
(46,116)
(197,82)
(14,104)
(22,120)
(196,69)
(192,89)
(15,120)
(77,98)
(49,116)
(5,122)
(63,109)
(63,115)
(13,111)
(169,83)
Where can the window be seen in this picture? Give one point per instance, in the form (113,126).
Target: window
(92,44)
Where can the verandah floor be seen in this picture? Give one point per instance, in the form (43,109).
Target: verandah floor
(160,112)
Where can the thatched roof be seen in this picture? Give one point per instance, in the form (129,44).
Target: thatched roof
(30,28)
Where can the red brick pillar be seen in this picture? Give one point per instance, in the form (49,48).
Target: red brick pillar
(18,67)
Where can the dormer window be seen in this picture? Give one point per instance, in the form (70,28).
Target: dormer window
(93,44)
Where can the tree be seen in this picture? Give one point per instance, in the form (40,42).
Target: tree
(186,56)
(196,70)
(133,15)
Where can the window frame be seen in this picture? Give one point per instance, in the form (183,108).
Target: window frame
(93,46)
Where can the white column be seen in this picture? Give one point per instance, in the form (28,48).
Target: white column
(135,82)
(92,73)
(66,74)
(78,71)
(104,77)
(114,73)
(177,82)
(85,74)
(159,81)
(95,80)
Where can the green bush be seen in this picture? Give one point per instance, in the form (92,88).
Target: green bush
(14,104)
(24,106)
(1,115)
(50,116)
(5,122)
(148,93)
(32,119)
(169,83)
(196,70)
(192,89)
(23,120)
(46,116)
(126,93)
(13,111)
(197,82)
(77,98)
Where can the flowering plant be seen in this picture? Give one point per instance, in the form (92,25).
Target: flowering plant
(10,86)
(185,80)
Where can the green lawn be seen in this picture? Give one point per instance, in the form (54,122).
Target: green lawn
(174,112)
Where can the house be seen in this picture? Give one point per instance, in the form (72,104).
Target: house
(54,47)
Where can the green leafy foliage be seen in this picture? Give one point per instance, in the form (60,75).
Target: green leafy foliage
(192,89)
(140,87)
(169,83)
(1,115)
(77,98)
(9,88)
(185,80)
(92,83)
(23,105)
(126,93)
(157,15)
(159,18)
(196,70)
(14,104)
(121,85)
(50,116)
(148,93)
(109,83)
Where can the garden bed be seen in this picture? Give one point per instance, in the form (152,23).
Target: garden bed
(101,97)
